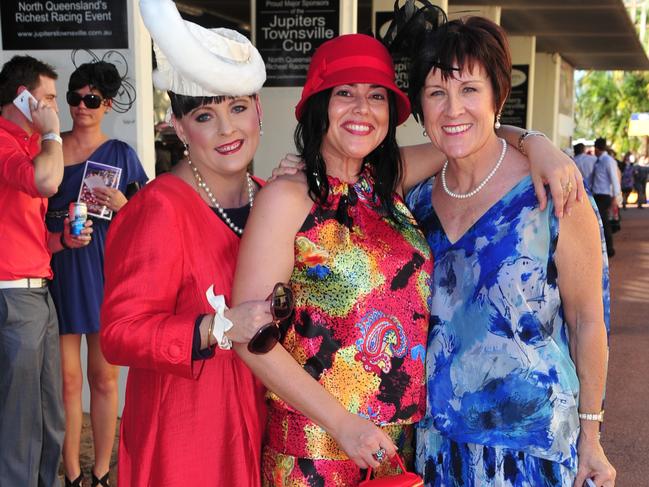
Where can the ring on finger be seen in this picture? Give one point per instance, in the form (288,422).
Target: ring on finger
(567,188)
(379,455)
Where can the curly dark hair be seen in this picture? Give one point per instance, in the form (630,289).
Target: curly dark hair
(22,71)
(99,75)
(458,44)
(385,160)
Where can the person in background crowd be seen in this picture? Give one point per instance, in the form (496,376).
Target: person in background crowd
(78,285)
(516,355)
(585,162)
(194,413)
(604,184)
(626,181)
(614,211)
(31,169)
(640,176)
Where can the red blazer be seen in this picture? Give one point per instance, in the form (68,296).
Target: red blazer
(184,422)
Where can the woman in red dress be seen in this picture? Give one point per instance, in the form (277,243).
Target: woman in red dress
(194,412)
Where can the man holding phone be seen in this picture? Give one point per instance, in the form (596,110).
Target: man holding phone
(31,168)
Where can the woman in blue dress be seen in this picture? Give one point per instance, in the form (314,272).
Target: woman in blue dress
(517,348)
(77,288)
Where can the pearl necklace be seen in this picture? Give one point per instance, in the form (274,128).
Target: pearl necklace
(201,184)
(475,191)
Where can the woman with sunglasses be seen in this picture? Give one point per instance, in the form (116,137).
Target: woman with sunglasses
(194,412)
(77,288)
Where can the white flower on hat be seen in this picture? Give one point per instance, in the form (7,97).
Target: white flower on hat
(196,61)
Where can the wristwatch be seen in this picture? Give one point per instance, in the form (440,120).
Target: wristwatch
(525,135)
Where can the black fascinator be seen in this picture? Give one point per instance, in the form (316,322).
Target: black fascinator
(410,25)
(108,74)
(409,36)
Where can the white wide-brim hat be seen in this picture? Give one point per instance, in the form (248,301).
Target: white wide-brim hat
(196,61)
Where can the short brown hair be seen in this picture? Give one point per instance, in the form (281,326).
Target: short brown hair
(463,42)
(22,71)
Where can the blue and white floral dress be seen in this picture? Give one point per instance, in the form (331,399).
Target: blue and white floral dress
(502,389)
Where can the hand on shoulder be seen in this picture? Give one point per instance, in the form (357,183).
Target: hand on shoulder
(287,189)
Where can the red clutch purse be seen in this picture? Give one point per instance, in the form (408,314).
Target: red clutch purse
(405,479)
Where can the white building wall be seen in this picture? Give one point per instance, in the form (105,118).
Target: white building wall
(546,94)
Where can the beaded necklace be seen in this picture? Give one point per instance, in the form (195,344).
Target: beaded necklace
(475,191)
(203,185)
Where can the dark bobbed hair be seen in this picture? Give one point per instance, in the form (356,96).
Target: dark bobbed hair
(100,75)
(181,105)
(385,160)
(22,71)
(464,43)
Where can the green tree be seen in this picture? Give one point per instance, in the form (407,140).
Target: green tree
(605,102)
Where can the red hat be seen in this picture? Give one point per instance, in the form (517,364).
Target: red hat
(352,58)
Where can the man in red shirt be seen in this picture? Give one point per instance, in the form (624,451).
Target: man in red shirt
(31,169)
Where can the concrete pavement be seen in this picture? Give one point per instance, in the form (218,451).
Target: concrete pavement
(625,435)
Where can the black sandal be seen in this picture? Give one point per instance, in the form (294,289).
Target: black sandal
(74,483)
(103,482)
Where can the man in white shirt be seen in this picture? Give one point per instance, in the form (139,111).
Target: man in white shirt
(585,162)
(605,186)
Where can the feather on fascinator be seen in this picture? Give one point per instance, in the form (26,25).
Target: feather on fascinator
(410,25)
(417,35)
(195,61)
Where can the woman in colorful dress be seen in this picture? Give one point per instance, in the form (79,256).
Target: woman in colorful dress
(78,285)
(517,350)
(348,378)
(194,412)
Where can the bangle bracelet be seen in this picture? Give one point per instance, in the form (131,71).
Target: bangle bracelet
(63,244)
(52,136)
(525,135)
(592,416)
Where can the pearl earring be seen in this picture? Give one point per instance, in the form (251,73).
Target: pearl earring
(186,151)
(497,124)
(424,133)
(261,128)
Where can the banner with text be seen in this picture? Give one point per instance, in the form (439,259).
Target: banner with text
(63,24)
(289,31)
(515,109)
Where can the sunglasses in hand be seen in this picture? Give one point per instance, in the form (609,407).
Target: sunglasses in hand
(281,308)
(91,101)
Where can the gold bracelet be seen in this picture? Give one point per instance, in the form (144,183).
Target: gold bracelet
(592,416)
(525,135)
(210,329)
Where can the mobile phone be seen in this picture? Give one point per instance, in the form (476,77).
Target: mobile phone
(22,102)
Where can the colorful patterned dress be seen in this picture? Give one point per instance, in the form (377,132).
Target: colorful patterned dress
(361,286)
(502,389)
